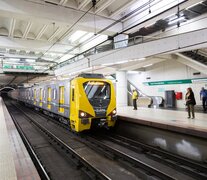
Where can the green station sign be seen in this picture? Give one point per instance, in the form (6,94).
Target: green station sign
(171,82)
(21,67)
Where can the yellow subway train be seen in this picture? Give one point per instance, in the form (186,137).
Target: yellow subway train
(85,101)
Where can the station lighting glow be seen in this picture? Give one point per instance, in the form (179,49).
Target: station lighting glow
(132,72)
(141,59)
(96,83)
(30,60)
(66,57)
(176,20)
(148,65)
(194,5)
(86,37)
(115,63)
(95,41)
(14,59)
(76,35)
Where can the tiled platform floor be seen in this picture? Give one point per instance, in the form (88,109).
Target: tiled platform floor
(166,119)
(15,162)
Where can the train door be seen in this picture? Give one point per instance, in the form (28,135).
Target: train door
(41,97)
(61,99)
(73,112)
(49,97)
(35,96)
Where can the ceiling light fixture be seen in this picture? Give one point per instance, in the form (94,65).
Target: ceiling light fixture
(148,65)
(132,72)
(86,37)
(194,5)
(176,20)
(76,35)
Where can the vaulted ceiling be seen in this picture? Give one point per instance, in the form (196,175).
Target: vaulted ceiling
(38,34)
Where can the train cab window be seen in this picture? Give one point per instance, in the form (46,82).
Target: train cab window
(97,90)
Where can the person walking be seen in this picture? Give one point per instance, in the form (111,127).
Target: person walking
(190,102)
(203,97)
(134,98)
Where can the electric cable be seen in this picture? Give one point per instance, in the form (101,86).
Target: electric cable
(94,3)
(101,31)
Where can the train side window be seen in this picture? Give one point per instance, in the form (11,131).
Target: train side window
(54,93)
(44,94)
(73,94)
(35,95)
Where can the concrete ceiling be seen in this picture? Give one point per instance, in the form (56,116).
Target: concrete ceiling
(44,33)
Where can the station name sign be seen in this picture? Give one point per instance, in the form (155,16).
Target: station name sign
(180,81)
(21,67)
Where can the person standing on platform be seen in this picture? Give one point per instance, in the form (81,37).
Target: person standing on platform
(203,97)
(134,98)
(190,102)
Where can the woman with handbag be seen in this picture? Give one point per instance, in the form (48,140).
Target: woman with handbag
(190,102)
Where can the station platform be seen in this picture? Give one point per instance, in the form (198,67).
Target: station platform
(15,162)
(170,120)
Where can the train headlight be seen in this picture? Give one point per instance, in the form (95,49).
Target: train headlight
(114,112)
(82,114)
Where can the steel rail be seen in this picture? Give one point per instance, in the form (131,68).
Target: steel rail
(95,173)
(198,170)
(41,170)
(133,161)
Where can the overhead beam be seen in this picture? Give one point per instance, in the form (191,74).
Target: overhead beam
(83,3)
(176,43)
(12,27)
(122,8)
(31,45)
(11,80)
(27,30)
(41,32)
(103,6)
(63,2)
(39,12)
(140,63)
(154,16)
(58,31)
(191,63)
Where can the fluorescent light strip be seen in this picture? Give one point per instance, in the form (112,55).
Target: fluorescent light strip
(148,65)
(194,5)
(86,37)
(76,35)
(176,20)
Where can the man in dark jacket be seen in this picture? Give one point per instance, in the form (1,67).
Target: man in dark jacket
(203,97)
(190,102)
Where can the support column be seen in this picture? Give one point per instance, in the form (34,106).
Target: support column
(121,88)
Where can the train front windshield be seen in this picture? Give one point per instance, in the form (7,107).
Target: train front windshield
(97,90)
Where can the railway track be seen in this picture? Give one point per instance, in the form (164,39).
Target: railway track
(139,168)
(182,164)
(92,164)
